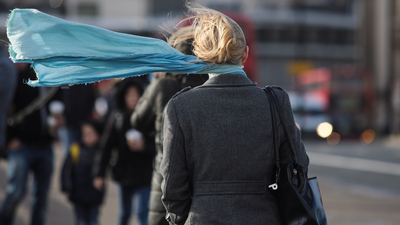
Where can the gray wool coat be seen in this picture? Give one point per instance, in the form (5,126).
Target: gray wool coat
(218,154)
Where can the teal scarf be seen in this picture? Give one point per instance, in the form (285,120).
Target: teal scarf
(66,53)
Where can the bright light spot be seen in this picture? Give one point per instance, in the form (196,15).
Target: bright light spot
(368,136)
(298,126)
(333,139)
(56,107)
(324,129)
(101,106)
(55,3)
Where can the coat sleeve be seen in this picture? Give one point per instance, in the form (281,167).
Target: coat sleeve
(109,140)
(144,115)
(176,184)
(149,145)
(293,130)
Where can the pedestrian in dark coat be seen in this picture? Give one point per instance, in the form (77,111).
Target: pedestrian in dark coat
(29,149)
(132,167)
(79,103)
(77,177)
(218,154)
(8,81)
(148,118)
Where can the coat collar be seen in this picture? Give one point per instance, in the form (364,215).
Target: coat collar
(228,80)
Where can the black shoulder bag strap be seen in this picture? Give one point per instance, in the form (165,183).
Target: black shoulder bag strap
(274,103)
(275,107)
(275,140)
(32,107)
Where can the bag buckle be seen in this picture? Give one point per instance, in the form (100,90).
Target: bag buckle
(274,186)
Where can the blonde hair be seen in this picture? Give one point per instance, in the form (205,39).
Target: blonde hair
(216,37)
(172,40)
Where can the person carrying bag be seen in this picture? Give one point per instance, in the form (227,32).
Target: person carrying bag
(298,197)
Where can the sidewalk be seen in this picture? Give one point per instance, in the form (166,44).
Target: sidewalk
(357,205)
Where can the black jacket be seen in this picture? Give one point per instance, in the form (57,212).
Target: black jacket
(33,130)
(128,167)
(77,179)
(79,102)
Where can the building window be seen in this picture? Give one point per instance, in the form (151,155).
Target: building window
(340,6)
(87,9)
(232,6)
(305,34)
(162,7)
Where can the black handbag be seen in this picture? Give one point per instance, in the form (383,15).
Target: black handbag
(298,197)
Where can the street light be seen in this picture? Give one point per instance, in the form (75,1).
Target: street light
(324,129)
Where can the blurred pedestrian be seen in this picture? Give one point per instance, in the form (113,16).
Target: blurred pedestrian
(132,168)
(147,118)
(79,104)
(8,81)
(29,148)
(217,148)
(77,177)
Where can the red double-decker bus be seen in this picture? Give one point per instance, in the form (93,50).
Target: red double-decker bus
(343,96)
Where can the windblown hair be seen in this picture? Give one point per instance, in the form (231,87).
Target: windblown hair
(216,37)
(184,46)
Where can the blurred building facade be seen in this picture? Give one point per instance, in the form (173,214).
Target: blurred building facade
(379,36)
(291,35)
(395,90)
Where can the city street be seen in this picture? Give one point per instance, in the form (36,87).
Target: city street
(360,184)
(339,61)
